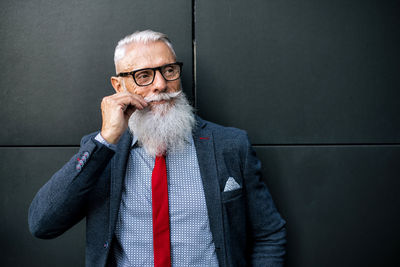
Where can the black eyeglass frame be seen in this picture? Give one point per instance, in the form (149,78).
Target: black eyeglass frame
(125,74)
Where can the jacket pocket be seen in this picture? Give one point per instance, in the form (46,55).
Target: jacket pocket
(234,209)
(231,195)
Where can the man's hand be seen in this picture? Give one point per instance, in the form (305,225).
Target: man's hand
(116,110)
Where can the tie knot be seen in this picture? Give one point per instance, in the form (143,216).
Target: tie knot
(161,157)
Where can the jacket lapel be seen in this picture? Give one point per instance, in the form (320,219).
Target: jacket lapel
(203,140)
(118,169)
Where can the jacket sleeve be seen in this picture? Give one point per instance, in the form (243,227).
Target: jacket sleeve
(267,227)
(61,202)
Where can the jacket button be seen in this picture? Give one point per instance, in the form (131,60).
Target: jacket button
(105,245)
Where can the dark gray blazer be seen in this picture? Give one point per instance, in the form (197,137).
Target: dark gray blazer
(245,225)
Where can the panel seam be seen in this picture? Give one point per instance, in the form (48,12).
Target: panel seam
(325,144)
(194,69)
(38,146)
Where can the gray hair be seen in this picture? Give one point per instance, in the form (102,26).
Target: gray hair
(144,37)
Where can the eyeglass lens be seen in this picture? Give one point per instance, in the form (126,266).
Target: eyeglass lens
(169,72)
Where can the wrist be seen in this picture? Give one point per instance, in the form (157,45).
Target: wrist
(110,138)
(101,140)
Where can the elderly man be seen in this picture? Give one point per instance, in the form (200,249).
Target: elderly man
(158,185)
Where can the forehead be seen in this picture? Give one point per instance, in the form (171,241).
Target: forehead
(140,55)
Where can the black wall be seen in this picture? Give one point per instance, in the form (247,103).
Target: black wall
(315,84)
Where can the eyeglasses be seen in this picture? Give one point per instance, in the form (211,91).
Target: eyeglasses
(144,77)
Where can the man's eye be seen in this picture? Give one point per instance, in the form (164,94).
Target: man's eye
(143,75)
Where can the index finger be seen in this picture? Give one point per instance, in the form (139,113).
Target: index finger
(132,98)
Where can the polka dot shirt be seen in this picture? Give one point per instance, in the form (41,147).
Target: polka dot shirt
(191,238)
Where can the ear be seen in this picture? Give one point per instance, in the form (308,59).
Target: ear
(115,82)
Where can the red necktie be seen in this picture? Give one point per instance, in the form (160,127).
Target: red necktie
(159,188)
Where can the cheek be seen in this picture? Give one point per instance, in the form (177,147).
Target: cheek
(134,89)
(175,86)
(139,90)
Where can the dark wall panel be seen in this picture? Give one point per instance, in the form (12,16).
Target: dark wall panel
(341,203)
(57,60)
(23,172)
(301,71)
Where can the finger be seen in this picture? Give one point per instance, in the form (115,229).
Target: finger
(136,103)
(130,103)
(124,102)
(135,96)
(130,99)
(140,99)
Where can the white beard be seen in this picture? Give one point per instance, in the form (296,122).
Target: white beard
(165,127)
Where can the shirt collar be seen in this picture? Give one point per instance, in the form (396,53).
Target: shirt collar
(135,140)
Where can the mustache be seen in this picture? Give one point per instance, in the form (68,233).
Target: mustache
(162,96)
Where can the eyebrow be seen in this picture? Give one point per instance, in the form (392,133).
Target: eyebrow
(151,67)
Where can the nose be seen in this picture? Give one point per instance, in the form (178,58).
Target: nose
(159,83)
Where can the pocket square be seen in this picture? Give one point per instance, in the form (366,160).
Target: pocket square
(231,185)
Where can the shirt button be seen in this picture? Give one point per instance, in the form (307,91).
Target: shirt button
(105,245)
